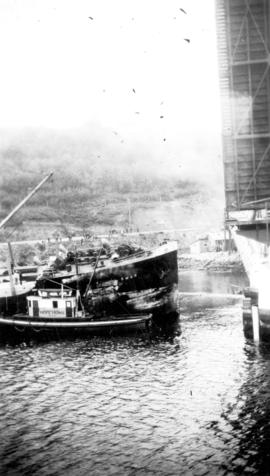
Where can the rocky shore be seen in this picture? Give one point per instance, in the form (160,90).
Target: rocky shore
(29,252)
(215,261)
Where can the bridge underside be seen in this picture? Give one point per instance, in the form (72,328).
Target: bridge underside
(243,28)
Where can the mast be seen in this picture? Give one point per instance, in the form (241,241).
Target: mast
(23,202)
(129,216)
(6,220)
(11,269)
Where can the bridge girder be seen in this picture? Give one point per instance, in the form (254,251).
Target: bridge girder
(244,65)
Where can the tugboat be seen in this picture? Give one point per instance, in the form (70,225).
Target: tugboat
(51,309)
(114,291)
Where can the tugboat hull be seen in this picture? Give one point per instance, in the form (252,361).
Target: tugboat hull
(23,321)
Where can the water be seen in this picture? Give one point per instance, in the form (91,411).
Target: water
(130,405)
(211,281)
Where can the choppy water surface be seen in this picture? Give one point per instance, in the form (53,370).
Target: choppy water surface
(130,405)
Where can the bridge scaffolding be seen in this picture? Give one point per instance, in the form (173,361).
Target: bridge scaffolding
(243,32)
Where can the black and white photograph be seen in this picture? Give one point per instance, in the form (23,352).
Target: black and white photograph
(134,237)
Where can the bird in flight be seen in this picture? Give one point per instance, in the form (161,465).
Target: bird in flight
(91,18)
(187,40)
(182,10)
(133,90)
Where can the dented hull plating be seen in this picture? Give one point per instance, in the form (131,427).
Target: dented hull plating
(133,285)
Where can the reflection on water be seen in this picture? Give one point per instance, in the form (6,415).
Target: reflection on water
(137,405)
(211,281)
(211,289)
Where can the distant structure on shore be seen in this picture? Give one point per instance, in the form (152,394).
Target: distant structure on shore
(216,241)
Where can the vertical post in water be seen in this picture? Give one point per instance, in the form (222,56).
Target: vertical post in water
(267,227)
(255,323)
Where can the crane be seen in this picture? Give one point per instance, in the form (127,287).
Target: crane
(7,219)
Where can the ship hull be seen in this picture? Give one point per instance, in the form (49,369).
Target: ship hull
(253,247)
(141,286)
(133,285)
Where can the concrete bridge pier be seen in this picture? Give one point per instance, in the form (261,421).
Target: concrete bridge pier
(256,319)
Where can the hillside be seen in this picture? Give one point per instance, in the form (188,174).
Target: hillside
(92,190)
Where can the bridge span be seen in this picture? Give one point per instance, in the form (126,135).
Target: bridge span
(243,34)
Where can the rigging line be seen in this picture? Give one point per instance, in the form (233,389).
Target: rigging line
(15,227)
(56,282)
(80,299)
(94,270)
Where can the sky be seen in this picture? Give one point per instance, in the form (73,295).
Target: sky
(122,65)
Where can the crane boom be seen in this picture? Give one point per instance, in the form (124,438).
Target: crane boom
(20,205)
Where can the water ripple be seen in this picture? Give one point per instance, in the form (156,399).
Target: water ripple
(198,404)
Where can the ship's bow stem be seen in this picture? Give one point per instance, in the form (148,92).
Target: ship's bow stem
(252,240)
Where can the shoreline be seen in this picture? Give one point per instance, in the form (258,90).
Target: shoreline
(212,261)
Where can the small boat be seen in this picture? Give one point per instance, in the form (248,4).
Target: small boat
(55,309)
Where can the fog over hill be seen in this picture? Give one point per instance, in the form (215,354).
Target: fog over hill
(95,174)
(121,101)
(187,155)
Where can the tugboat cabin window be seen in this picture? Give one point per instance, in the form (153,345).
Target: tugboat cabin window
(29,303)
(68,303)
(55,304)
